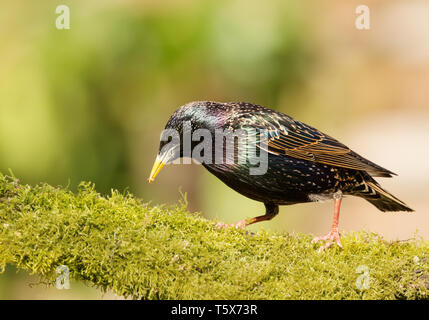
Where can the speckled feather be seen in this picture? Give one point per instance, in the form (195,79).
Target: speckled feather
(304,164)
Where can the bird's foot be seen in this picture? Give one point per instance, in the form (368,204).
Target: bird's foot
(330,238)
(239,225)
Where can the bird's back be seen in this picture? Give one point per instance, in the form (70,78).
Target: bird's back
(304,164)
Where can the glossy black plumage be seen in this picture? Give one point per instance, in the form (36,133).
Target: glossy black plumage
(304,164)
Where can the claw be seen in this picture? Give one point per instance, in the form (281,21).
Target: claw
(239,225)
(221,225)
(330,238)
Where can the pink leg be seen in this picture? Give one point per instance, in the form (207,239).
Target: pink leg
(271,211)
(243,223)
(334,234)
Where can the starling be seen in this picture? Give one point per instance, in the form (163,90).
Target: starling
(302,163)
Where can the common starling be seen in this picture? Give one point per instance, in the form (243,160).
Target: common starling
(303,164)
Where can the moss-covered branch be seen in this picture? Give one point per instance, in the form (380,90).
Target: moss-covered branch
(120,243)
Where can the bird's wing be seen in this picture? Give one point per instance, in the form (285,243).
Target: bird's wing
(296,139)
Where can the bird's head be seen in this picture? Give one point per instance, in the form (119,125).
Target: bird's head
(186,119)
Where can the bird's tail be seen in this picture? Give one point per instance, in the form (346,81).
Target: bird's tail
(381,198)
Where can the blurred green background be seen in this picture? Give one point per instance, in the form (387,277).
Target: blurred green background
(89,103)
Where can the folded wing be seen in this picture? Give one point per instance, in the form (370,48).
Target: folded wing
(296,139)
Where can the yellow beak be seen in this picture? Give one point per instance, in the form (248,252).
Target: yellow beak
(157,166)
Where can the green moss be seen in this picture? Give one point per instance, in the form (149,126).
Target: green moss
(121,244)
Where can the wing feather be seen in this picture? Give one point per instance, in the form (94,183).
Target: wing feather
(298,140)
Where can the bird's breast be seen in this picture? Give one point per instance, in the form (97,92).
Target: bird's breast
(286,181)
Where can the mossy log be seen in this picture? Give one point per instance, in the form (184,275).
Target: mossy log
(122,244)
